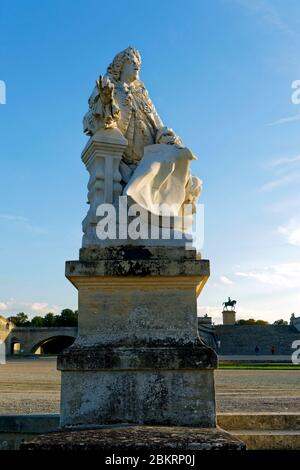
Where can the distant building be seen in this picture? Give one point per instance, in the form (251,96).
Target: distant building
(205,320)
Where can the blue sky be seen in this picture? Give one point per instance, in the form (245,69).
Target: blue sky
(219,73)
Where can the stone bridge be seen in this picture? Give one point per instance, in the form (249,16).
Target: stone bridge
(39,340)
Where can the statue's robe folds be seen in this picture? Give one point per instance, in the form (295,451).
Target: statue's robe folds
(160,181)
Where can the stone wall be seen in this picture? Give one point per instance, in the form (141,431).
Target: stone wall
(242,339)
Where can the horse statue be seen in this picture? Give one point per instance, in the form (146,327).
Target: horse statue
(229,303)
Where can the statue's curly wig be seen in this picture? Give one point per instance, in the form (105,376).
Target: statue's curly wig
(114,70)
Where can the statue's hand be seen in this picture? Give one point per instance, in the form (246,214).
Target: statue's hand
(106,90)
(166,135)
(168,139)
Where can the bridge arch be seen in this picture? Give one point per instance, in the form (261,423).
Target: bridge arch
(29,339)
(15,345)
(53,344)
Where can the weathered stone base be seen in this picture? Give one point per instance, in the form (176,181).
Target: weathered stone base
(138,358)
(138,439)
(161,397)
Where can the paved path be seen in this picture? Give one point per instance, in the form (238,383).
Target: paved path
(32,386)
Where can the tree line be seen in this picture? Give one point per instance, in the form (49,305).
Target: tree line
(67,317)
(251,321)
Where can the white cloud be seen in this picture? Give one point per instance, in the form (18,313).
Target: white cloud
(285,160)
(286,275)
(225,280)
(24,221)
(14,218)
(43,307)
(13,306)
(39,306)
(294,118)
(285,206)
(267,13)
(276,183)
(211,311)
(291,231)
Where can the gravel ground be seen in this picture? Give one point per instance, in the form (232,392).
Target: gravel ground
(29,386)
(32,386)
(258,390)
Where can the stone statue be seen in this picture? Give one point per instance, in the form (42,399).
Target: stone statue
(155,165)
(229,303)
(138,359)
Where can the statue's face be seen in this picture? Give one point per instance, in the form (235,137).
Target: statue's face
(130,70)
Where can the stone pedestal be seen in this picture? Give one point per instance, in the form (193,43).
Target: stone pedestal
(102,156)
(229,317)
(138,358)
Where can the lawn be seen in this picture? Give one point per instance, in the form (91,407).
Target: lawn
(258,366)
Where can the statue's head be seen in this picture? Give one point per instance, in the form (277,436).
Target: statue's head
(125,66)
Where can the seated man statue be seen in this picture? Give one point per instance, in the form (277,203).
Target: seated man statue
(155,166)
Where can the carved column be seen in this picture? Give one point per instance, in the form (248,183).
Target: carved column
(101,157)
